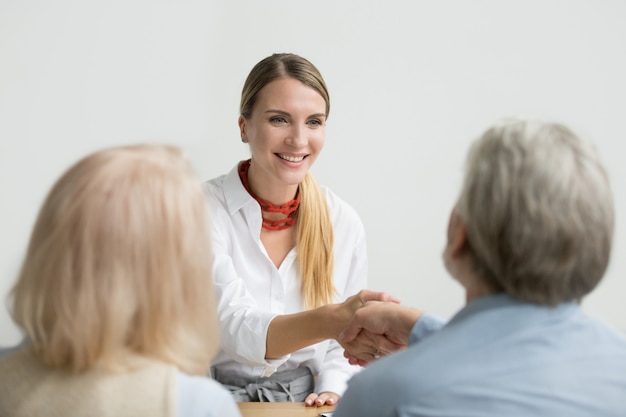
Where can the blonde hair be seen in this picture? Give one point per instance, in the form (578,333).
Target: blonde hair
(118,263)
(315,236)
(539,211)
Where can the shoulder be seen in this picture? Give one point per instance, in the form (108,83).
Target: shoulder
(334,201)
(225,195)
(214,188)
(203,397)
(5,351)
(15,359)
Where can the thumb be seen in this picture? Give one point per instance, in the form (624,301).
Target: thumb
(350,332)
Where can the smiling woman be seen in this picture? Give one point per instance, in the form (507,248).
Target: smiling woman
(277,267)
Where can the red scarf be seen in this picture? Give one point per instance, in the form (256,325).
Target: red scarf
(290,208)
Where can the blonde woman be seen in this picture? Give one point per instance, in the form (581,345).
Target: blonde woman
(113,295)
(284,247)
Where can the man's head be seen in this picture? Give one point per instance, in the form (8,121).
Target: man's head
(537,212)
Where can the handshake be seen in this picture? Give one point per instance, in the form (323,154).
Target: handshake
(371,325)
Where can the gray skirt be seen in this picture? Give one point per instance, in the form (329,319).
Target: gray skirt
(287,386)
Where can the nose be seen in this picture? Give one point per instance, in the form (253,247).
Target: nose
(296,137)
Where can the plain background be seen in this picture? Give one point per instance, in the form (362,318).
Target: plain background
(412,84)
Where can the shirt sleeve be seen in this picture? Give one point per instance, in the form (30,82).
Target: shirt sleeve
(425,326)
(335,371)
(243,325)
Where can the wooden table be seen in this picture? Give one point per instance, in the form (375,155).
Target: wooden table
(280,410)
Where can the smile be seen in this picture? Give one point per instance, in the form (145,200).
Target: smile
(290,158)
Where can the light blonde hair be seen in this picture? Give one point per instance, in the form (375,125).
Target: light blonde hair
(539,211)
(118,263)
(315,236)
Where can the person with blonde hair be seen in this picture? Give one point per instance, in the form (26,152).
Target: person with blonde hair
(287,252)
(528,239)
(113,297)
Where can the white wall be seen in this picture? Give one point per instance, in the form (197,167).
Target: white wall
(412,83)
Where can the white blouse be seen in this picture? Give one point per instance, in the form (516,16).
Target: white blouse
(251,291)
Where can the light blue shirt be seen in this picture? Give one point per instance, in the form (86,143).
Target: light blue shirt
(203,397)
(499,357)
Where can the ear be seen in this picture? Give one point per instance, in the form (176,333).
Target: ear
(457,236)
(242,129)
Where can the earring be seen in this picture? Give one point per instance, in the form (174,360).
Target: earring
(244,139)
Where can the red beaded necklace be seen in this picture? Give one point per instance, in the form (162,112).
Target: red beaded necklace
(290,208)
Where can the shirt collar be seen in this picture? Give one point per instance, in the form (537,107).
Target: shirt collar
(234,192)
(502,300)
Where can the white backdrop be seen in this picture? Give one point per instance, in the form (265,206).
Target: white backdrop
(412,83)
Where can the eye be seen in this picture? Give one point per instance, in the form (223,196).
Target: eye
(315,122)
(278,120)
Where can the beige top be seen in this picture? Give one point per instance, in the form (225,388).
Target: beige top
(28,388)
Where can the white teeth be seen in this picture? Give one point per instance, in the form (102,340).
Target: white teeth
(291,158)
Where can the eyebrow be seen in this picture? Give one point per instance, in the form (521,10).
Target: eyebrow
(288,114)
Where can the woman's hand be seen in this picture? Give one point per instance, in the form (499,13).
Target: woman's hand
(323,398)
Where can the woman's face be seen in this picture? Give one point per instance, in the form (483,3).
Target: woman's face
(286,134)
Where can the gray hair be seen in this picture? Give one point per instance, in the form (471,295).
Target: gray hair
(539,211)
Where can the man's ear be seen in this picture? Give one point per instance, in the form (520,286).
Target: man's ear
(458,236)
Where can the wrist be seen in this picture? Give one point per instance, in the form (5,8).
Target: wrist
(335,318)
(407,318)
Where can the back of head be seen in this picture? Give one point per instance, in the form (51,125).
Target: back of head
(538,209)
(119,262)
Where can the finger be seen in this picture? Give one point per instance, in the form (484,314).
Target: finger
(352,360)
(310,399)
(367,343)
(363,357)
(350,333)
(383,344)
(332,398)
(369,347)
(369,295)
(363,346)
(321,399)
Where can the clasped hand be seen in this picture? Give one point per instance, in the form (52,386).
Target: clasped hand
(379,325)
